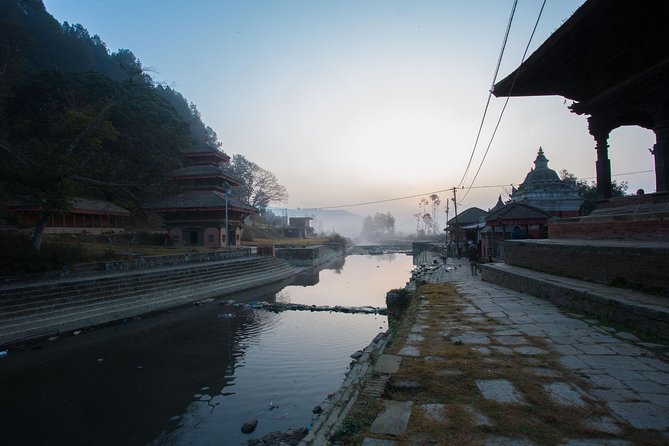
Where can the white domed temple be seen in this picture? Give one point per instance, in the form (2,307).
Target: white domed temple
(544,189)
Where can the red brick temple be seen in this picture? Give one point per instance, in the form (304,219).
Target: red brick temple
(200,214)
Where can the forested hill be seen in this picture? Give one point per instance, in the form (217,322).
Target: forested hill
(77,119)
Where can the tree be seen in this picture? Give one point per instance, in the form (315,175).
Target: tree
(588,190)
(79,135)
(427,222)
(259,187)
(378,227)
(435,212)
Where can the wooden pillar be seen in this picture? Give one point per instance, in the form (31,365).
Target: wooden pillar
(603,164)
(661,151)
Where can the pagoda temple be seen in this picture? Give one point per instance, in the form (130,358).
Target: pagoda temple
(544,189)
(204,213)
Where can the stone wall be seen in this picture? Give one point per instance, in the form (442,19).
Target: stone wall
(608,228)
(309,256)
(636,265)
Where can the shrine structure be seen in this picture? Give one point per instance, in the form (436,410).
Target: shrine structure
(611,57)
(544,189)
(204,213)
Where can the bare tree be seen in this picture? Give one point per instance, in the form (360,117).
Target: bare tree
(260,187)
(435,211)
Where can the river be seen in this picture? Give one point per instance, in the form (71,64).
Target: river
(193,375)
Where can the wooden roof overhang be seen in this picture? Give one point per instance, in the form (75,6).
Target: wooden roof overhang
(204,152)
(204,209)
(611,56)
(106,209)
(206,176)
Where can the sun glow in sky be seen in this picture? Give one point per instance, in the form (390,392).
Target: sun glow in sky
(356,101)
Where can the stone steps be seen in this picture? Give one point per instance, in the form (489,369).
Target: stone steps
(649,314)
(129,290)
(31,316)
(69,285)
(35,294)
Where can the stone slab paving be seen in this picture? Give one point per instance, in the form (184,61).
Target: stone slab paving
(388,363)
(376,442)
(631,379)
(619,372)
(394,418)
(499,390)
(565,394)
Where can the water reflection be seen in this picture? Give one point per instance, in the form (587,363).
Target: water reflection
(195,374)
(363,280)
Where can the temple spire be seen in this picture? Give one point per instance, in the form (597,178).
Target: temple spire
(541,162)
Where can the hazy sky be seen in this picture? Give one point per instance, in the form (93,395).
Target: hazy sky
(356,101)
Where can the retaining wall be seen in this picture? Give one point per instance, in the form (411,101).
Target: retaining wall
(32,310)
(637,265)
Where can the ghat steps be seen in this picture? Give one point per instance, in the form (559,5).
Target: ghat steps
(30,311)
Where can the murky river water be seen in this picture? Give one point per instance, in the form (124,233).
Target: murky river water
(193,375)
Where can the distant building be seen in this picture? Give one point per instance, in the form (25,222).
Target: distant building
(200,214)
(544,189)
(83,215)
(466,225)
(513,220)
(301,226)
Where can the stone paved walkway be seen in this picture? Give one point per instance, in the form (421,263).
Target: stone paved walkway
(610,368)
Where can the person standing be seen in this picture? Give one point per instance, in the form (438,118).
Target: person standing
(473,254)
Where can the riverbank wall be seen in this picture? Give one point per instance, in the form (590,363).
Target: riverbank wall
(46,308)
(310,256)
(104,292)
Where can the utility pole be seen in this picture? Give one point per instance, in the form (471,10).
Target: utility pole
(457,229)
(446,229)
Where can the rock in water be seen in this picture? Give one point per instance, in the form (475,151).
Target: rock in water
(317,409)
(249,426)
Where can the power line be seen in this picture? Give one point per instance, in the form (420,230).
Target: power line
(494,79)
(402,198)
(499,120)
(493,186)
(621,174)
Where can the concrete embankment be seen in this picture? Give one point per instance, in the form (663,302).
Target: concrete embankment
(33,310)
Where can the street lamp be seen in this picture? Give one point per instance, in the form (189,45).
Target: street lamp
(227,231)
